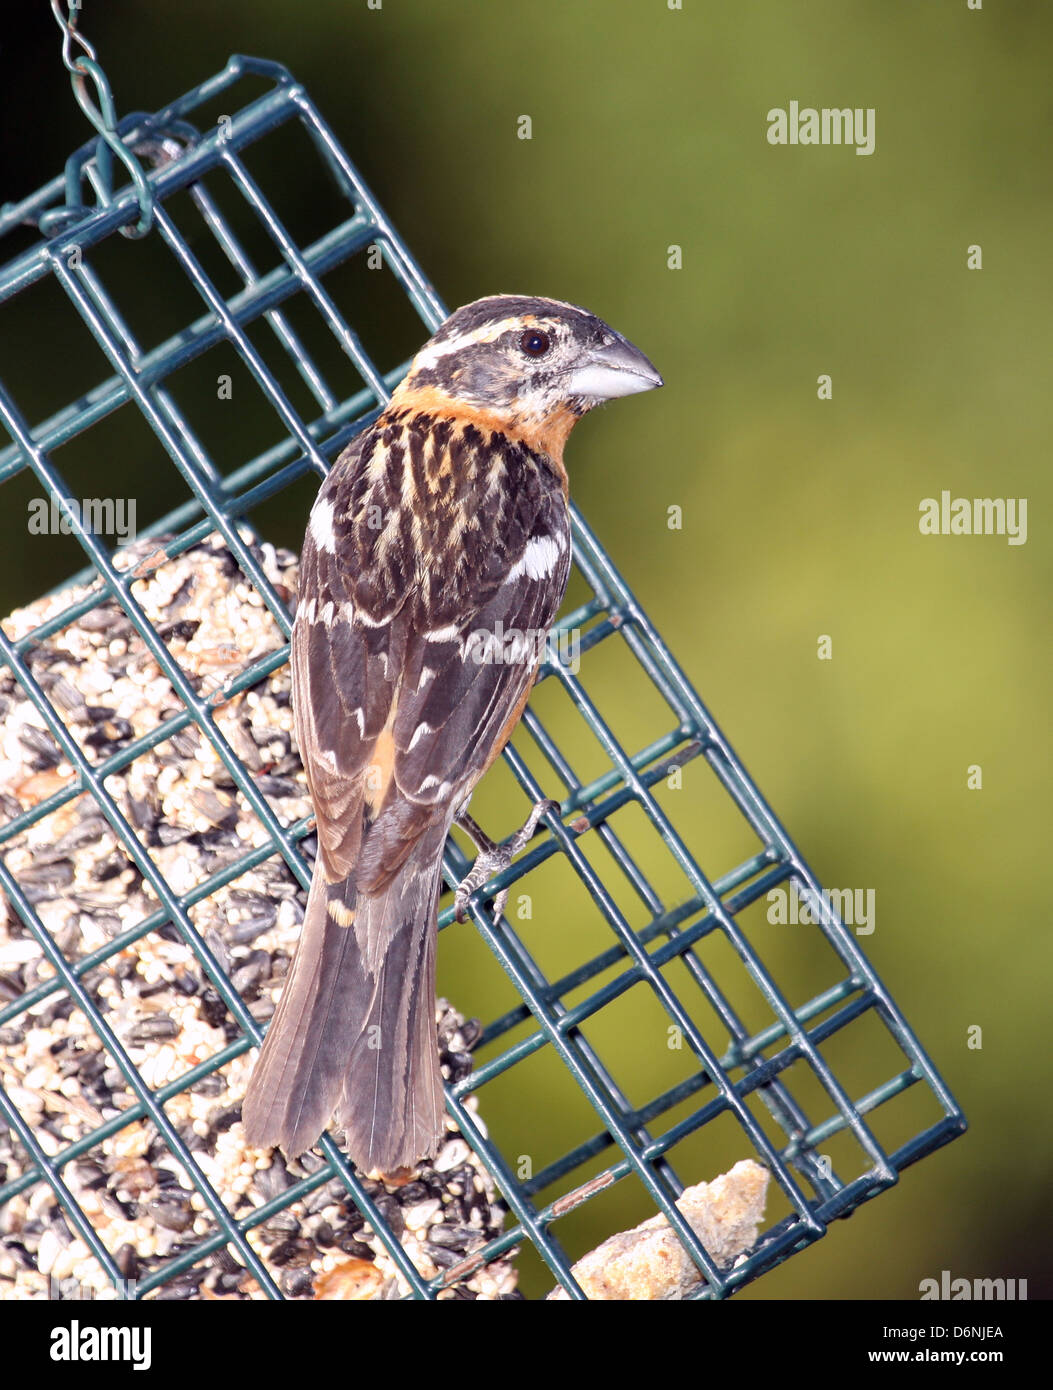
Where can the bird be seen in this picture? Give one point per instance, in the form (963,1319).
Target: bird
(443,522)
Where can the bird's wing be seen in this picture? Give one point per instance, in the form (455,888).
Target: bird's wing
(404,692)
(346,661)
(464,688)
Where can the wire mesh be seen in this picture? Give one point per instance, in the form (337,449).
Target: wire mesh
(751,1052)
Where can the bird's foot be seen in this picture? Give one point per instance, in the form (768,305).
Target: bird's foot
(493,858)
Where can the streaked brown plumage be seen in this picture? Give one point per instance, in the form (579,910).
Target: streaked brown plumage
(445,518)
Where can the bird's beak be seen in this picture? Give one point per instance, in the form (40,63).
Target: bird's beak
(615,369)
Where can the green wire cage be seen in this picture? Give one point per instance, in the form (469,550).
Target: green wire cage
(655,943)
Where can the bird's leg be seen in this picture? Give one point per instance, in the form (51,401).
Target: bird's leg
(493,857)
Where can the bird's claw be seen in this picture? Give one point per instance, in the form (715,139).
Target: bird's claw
(494,858)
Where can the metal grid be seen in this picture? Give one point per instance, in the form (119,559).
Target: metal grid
(733,1065)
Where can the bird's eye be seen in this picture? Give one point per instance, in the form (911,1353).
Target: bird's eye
(535,343)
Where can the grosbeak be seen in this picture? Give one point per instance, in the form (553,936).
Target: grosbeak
(444,521)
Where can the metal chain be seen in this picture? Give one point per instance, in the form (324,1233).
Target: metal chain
(70,32)
(103,116)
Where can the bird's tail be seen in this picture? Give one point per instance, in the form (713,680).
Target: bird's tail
(354,1031)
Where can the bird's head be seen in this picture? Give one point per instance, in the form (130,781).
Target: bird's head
(529,367)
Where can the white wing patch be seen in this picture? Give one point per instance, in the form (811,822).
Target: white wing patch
(327,757)
(538,559)
(311,613)
(354,615)
(322,525)
(422,730)
(443,788)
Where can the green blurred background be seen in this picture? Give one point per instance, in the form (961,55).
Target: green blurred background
(800,516)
